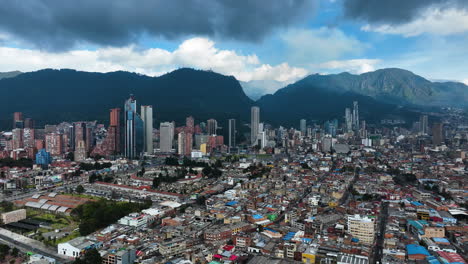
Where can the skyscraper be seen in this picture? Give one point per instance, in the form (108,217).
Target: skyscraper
(424,126)
(189,125)
(348,120)
(212,126)
(303,126)
(147,116)
(18,121)
(181,143)
(133,129)
(437,133)
(114,125)
(232,133)
(356,116)
(166,137)
(254,121)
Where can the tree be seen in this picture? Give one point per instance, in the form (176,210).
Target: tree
(14,252)
(92,256)
(80,189)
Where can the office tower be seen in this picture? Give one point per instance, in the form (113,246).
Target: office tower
(362,227)
(54,144)
(437,133)
(212,126)
(89,143)
(232,133)
(190,125)
(80,132)
(181,143)
(18,138)
(348,120)
(424,126)
(303,126)
(147,116)
(39,144)
(114,129)
(327,144)
(28,123)
(43,158)
(254,122)
(29,135)
(356,116)
(188,143)
(18,121)
(133,129)
(166,136)
(200,139)
(80,152)
(363,131)
(203,127)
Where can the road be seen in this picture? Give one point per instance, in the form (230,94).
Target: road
(25,246)
(378,245)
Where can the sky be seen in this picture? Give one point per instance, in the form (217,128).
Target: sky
(267,43)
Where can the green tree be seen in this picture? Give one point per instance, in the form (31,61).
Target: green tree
(92,256)
(80,189)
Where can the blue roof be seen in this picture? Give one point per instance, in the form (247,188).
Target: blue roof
(432,260)
(257,216)
(269,229)
(231,203)
(417,203)
(440,240)
(413,249)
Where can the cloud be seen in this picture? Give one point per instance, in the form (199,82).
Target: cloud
(356,66)
(465,81)
(433,21)
(61,25)
(395,11)
(199,53)
(307,46)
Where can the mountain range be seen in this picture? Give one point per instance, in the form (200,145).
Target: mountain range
(50,96)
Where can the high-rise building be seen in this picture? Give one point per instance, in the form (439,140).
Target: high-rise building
(188,143)
(348,120)
(166,136)
(424,126)
(212,126)
(181,143)
(43,158)
(80,151)
(133,129)
(303,126)
(147,116)
(437,133)
(232,133)
(28,123)
(18,121)
(362,227)
(254,122)
(356,116)
(54,144)
(18,138)
(79,132)
(115,125)
(190,125)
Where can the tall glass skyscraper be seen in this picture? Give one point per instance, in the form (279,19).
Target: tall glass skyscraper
(147,116)
(133,129)
(254,122)
(232,133)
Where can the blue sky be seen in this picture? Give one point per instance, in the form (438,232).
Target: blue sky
(280,42)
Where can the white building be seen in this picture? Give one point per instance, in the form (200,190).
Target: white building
(135,220)
(74,247)
(362,228)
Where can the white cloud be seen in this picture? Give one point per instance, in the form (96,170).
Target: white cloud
(199,53)
(356,66)
(434,21)
(307,46)
(465,81)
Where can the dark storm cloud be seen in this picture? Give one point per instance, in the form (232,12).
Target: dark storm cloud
(394,11)
(60,24)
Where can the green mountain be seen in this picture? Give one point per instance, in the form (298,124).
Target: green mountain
(49,96)
(395,86)
(9,74)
